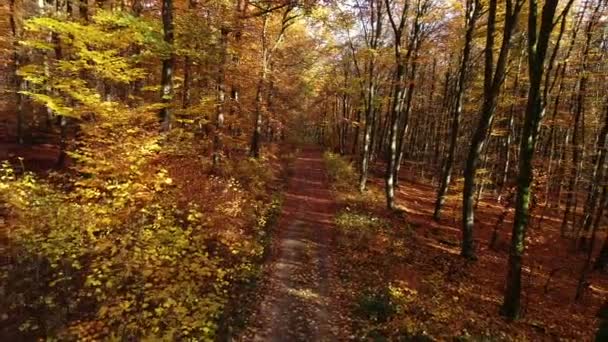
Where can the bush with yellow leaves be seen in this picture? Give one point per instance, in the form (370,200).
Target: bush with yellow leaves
(110,253)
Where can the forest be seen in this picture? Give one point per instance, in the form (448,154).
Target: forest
(303,170)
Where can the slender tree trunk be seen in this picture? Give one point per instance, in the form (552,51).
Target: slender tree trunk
(602,260)
(587,265)
(370,104)
(397,103)
(344,122)
(580,103)
(510,132)
(221,96)
(367,137)
(471,15)
(552,139)
(570,212)
(493,79)
(374,135)
(598,177)
(405,117)
(484,166)
(356,133)
(259,95)
(422,7)
(267,53)
(166,82)
(18,81)
(579,124)
(538,43)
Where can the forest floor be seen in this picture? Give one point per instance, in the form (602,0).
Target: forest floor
(404,279)
(38,158)
(296,296)
(342,267)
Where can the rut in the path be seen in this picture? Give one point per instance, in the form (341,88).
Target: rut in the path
(296,303)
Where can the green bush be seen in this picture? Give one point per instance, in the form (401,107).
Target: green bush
(376,305)
(340,171)
(250,173)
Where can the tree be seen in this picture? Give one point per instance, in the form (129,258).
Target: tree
(493,79)
(538,44)
(373,30)
(166,83)
(397,100)
(18,82)
(471,15)
(403,88)
(268,51)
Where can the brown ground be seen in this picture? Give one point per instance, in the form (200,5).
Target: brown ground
(454,296)
(313,281)
(36,158)
(296,302)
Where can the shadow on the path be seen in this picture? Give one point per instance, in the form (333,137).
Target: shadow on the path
(295,303)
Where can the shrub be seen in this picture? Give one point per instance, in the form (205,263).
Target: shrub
(376,305)
(353,220)
(120,256)
(340,171)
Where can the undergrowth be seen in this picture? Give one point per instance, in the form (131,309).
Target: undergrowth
(340,171)
(118,255)
(344,179)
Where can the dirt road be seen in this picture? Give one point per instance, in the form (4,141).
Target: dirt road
(296,302)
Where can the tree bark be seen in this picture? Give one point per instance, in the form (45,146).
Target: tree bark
(370,92)
(472,11)
(267,54)
(396,104)
(538,43)
(221,96)
(493,79)
(17,80)
(166,82)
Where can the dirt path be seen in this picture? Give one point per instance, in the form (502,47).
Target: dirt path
(296,303)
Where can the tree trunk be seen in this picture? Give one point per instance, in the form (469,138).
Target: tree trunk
(580,102)
(493,79)
(471,16)
(510,132)
(221,96)
(396,107)
(18,81)
(587,266)
(166,82)
(397,103)
(537,49)
(83,10)
(370,105)
(356,133)
(367,137)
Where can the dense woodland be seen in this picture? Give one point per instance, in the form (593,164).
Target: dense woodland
(147,148)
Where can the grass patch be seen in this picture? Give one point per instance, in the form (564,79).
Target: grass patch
(353,220)
(358,229)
